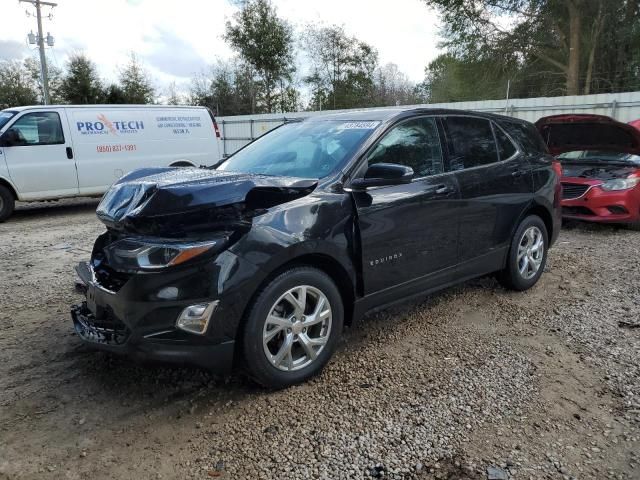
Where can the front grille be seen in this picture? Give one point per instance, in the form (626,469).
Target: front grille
(107,329)
(573,190)
(576,211)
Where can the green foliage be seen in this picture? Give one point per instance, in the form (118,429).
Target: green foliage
(544,47)
(17,86)
(81,83)
(32,65)
(342,68)
(265,43)
(135,83)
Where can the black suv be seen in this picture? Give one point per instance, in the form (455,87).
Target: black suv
(264,258)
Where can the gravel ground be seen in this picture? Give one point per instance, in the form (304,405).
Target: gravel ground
(472,383)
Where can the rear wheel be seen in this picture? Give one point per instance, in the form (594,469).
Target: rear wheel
(292,328)
(7,203)
(527,255)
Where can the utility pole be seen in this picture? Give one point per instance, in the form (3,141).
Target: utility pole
(40,40)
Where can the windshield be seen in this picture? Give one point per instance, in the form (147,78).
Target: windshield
(599,156)
(303,149)
(5,116)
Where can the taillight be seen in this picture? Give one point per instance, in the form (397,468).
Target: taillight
(557,167)
(217,130)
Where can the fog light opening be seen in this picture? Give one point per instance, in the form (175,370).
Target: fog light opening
(195,318)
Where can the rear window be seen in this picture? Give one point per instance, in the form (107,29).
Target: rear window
(506,148)
(526,135)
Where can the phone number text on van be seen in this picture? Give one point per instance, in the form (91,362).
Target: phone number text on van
(116,148)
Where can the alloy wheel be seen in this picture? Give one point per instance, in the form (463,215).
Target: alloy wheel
(530,252)
(297,328)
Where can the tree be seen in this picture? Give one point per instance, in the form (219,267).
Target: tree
(81,83)
(32,66)
(548,38)
(265,43)
(135,83)
(173,96)
(393,87)
(17,87)
(227,88)
(114,95)
(342,68)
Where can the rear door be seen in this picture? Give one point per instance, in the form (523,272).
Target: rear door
(409,232)
(495,184)
(40,155)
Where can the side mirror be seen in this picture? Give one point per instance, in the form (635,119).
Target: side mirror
(12,138)
(383,174)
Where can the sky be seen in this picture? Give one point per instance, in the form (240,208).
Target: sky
(177,38)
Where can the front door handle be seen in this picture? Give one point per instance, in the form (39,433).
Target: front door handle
(442,190)
(69,153)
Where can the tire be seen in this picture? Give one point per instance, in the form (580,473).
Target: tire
(522,274)
(270,328)
(7,203)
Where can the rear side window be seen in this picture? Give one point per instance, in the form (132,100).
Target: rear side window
(414,143)
(526,135)
(41,128)
(470,142)
(506,148)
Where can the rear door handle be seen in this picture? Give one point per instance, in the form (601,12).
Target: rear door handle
(518,173)
(443,189)
(69,153)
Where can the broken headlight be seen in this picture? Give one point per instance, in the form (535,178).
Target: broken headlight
(620,183)
(136,254)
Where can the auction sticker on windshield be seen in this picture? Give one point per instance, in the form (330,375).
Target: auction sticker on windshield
(359,125)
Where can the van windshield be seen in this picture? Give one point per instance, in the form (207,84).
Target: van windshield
(5,116)
(302,149)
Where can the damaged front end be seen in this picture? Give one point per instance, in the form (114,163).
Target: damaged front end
(178,201)
(161,280)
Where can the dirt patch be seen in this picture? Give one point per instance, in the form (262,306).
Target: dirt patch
(471,382)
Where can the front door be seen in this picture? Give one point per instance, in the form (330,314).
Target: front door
(37,154)
(409,232)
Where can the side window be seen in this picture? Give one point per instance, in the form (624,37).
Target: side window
(470,141)
(41,128)
(526,135)
(414,143)
(506,148)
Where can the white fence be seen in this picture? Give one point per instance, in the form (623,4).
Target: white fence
(239,130)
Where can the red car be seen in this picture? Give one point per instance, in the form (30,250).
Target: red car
(600,160)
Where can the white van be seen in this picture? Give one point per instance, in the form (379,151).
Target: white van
(51,152)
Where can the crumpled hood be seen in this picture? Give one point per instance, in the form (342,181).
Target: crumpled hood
(173,200)
(573,132)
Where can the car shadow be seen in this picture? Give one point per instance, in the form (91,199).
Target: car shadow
(577,225)
(27,210)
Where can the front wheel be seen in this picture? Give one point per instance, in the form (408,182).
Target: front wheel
(7,203)
(527,255)
(292,328)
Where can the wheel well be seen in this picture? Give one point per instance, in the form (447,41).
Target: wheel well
(326,264)
(544,214)
(182,163)
(4,183)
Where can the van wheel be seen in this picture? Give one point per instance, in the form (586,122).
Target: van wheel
(527,255)
(292,328)
(7,203)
